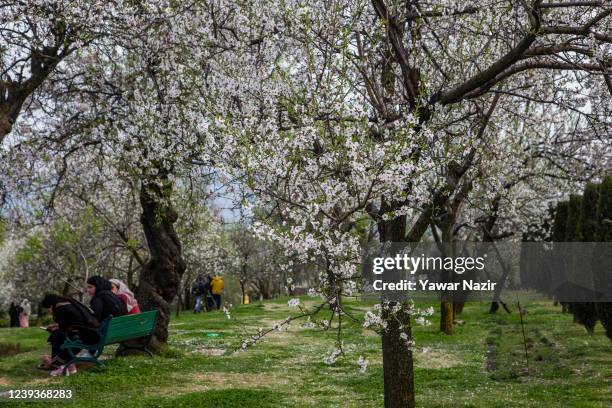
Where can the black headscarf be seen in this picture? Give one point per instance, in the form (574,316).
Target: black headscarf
(75,313)
(100,283)
(51,300)
(104,302)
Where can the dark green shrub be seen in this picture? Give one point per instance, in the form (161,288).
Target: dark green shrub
(602,258)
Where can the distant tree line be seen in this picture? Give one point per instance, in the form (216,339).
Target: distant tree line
(581,218)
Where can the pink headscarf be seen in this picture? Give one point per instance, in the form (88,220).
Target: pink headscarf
(124,290)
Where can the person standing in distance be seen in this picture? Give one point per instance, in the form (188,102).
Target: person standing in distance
(216,287)
(198,289)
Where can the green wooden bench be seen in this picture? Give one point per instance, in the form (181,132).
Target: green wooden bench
(115,330)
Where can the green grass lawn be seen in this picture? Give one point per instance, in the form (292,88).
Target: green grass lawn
(481,365)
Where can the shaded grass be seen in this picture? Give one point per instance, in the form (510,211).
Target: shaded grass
(219,398)
(13,348)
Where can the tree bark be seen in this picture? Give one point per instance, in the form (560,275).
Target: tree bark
(187,298)
(242,291)
(266,292)
(397,363)
(397,355)
(161,276)
(446,316)
(244,273)
(178,304)
(43,60)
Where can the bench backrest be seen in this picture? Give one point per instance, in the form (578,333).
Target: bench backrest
(130,327)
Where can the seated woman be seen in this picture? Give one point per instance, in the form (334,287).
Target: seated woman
(72,319)
(125,294)
(103,301)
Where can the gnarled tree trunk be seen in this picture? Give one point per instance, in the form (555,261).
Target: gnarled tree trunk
(161,276)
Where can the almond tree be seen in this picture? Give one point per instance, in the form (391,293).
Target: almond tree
(120,111)
(349,107)
(36,39)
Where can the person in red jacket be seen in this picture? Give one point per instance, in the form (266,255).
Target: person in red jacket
(125,294)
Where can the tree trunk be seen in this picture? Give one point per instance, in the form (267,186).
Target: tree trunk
(243,277)
(161,276)
(178,304)
(446,316)
(397,364)
(499,286)
(448,247)
(265,289)
(242,291)
(187,301)
(397,355)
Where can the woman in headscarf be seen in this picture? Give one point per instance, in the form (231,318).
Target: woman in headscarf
(103,301)
(24,316)
(14,312)
(72,319)
(125,294)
